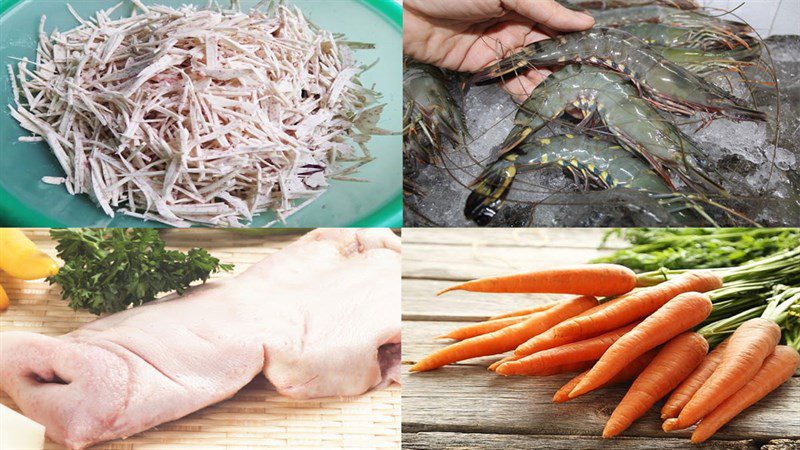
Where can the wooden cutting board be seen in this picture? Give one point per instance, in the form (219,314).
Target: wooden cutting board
(256,417)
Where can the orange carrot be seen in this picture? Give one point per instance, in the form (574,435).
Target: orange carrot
(626,309)
(562,368)
(505,339)
(549,339)
(492,367)
(676,316)
(4,301)
(630,372)
(480,328)
(747,347)
(587,350)
(777,368)
(587,279)
(684,392)
(674,362)
(523,312)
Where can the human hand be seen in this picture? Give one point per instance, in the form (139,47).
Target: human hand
(468,35)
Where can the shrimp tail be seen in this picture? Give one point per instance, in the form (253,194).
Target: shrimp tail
(490,191)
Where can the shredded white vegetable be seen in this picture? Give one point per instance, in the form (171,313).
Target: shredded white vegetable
(197,116)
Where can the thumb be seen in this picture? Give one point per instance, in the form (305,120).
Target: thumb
(550,14)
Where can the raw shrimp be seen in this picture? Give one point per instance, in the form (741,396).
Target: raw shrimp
(602,162)
(674,36)
(668,16)
(612,4)
(703,62)
(670,86)
(431,114)
(600,93)
(699,51)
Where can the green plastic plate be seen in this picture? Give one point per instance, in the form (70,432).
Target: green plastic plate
(26,201)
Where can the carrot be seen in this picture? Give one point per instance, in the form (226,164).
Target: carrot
(4,302)
(676,316)
(747,347)
(586,279)
(587,350)
(630,372)
(674,362)
(505,339)
(549,339)
(480,328)
(523,312)
(684,392)
(497,363)
(626,309)
(777,368)
(562,368)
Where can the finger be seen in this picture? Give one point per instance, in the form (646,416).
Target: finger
(496,43)
(457,10)
(521,87)
(535,35)
(550,14)
(548,31)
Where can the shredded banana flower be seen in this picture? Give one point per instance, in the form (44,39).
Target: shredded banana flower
(197,116)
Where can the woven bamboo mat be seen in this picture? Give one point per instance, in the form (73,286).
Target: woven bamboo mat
(256,417)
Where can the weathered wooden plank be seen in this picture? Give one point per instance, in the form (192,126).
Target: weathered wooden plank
(782,444)
(445,262)
(421,303)
(467,399)
(511,237)
(444,440)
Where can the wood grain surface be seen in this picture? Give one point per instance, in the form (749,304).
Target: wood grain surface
(256,417)
(465,406)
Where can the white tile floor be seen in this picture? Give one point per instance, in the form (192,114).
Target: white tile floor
(765,16)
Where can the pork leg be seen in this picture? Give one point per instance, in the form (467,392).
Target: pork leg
(319,318)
